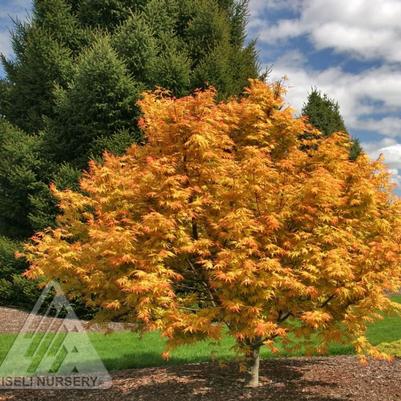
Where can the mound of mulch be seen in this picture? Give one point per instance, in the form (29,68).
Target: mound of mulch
(291,379)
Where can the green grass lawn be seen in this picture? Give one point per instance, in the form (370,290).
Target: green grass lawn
(122,350)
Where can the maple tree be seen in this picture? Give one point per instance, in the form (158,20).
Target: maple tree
(228,220)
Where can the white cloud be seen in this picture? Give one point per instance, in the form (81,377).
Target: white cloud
(367,29)
(374,148)
(396,176)
(391,154)
(350,90)
(285,29)
(359,95)
(259,6)
(390,126)
(391,151)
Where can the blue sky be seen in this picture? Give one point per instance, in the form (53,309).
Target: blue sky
(11,9)
(350,49)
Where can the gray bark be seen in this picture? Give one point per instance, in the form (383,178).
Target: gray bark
(254,367)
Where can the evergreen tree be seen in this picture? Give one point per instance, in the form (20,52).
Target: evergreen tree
(181,44)
(22,171)
(178,45)
(31,79)
(26,204)
(155,57)
(356,149)
(215,47)
(324,114)
(44,49)
(99,102)
(79,68)
(106,14)
(15,290)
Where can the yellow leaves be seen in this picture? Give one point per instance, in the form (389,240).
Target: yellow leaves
(227,278)
(272,223)
(316,319)
(112,305)
(271,215)
(265,329)
(197,143)
(232,306)
(361,345)
(164,253)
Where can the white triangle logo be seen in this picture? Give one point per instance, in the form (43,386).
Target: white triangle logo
(57,354)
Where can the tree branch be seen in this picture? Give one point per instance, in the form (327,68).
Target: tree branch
(205,284)
(326,302)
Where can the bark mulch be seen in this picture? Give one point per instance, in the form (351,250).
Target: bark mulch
(291,379)
(12,321)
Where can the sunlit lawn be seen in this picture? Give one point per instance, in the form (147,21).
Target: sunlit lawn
(122,350)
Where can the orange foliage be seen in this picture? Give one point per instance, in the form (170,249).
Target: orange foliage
(230,216)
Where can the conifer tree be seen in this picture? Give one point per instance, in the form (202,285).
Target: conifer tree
(107,14)
(99,102)
(183,45)
(31,82)
(71,90)
(324,114)
(21,173)
(43,51)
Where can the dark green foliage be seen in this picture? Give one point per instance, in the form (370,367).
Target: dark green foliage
(105,13)
(58,20)
(116,143)
(15,290)
(324,114)
(66,176)
(216,48)
(4,96)
(22,170)
(41,63)
(152,56)
(26,204)
(173,71)
(136,43)
(71,90)
(207,30)
(44,49)
(356,149)
(184,45)
(177,44)
(99,102)
(9,264)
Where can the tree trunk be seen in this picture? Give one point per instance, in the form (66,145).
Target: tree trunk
(254,367)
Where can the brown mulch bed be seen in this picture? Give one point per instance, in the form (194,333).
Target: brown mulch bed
(291,379)
(12,321)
